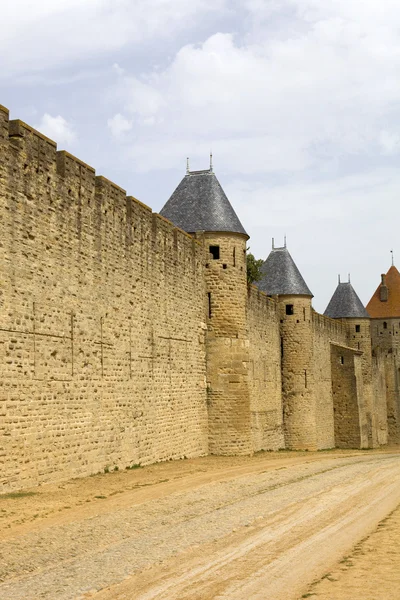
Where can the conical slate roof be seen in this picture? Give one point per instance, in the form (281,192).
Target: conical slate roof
(345,304)
(281,276)
(390,308)
(199,204)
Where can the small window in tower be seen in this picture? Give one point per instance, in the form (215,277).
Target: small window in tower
(234,257)
(209,305)
(384,325)
(342,360)
(357,328)
(289,309)
(214,250)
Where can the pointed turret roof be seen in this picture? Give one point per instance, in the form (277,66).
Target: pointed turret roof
(200,204)
(345,304)
(281,276)
(389,288)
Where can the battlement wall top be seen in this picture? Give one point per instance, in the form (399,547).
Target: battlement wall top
(18,128)
(260,301)
(34,154)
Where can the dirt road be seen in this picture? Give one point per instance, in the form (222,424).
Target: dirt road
(212,528)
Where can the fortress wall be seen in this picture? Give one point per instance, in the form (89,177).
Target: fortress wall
(324,331)
(102,334)
(265,386)
(350,425)
(379,394)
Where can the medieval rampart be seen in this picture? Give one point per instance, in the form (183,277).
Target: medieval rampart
(102,334)
(265,384)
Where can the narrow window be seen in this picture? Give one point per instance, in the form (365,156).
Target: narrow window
(342,360)
(281,347)
(234,256)
(384,325)
(304,313)
(214,250)
(357,329)
(289,309)
(305,378)
(209,305)
(224,266)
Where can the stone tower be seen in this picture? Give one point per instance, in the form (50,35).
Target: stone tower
(346,305)
(199,206)
(384,310)
(281,278)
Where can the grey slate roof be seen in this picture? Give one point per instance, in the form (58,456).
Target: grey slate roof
(199,204)
(345,304)
(281,276)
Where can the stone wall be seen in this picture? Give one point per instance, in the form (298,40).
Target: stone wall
(265,384)
(350,415)
(324,331)
(102,333)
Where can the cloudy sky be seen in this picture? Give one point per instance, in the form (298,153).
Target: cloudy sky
(298,99)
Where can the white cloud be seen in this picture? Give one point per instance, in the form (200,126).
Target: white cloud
(58,33)
(389,142)
(56,128)
(119,125)
(281,102)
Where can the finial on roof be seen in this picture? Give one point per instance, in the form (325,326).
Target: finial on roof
(211,162)
(349,278)
(284,241)
(273,244)
(391,252)
(187,166)
(338,278)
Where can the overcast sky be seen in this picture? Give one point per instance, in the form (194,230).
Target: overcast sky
(298,99)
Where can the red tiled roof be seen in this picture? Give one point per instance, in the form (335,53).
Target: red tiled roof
(391,308)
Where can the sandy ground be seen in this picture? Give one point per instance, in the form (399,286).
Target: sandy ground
(370,572)
(264,527)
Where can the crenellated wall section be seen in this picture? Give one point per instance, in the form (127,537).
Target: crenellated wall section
(102,333)
(125,341)
(265,384)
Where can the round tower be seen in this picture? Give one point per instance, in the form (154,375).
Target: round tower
(200,207)
(384,310)
(347,306)
(283,280)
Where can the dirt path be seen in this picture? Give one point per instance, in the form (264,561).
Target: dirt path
(261,527)
(370,572)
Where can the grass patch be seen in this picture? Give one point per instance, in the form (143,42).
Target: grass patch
(11,495)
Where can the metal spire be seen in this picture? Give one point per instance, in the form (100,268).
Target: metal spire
(211,161)
(391,252)
(187,166)
(284,241)
(338,278)
(349,278)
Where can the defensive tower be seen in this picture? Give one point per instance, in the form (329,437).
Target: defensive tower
(200,207)
(355,406)
(384,309)
(282,278)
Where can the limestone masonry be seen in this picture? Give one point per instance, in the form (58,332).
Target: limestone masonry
(128,337)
